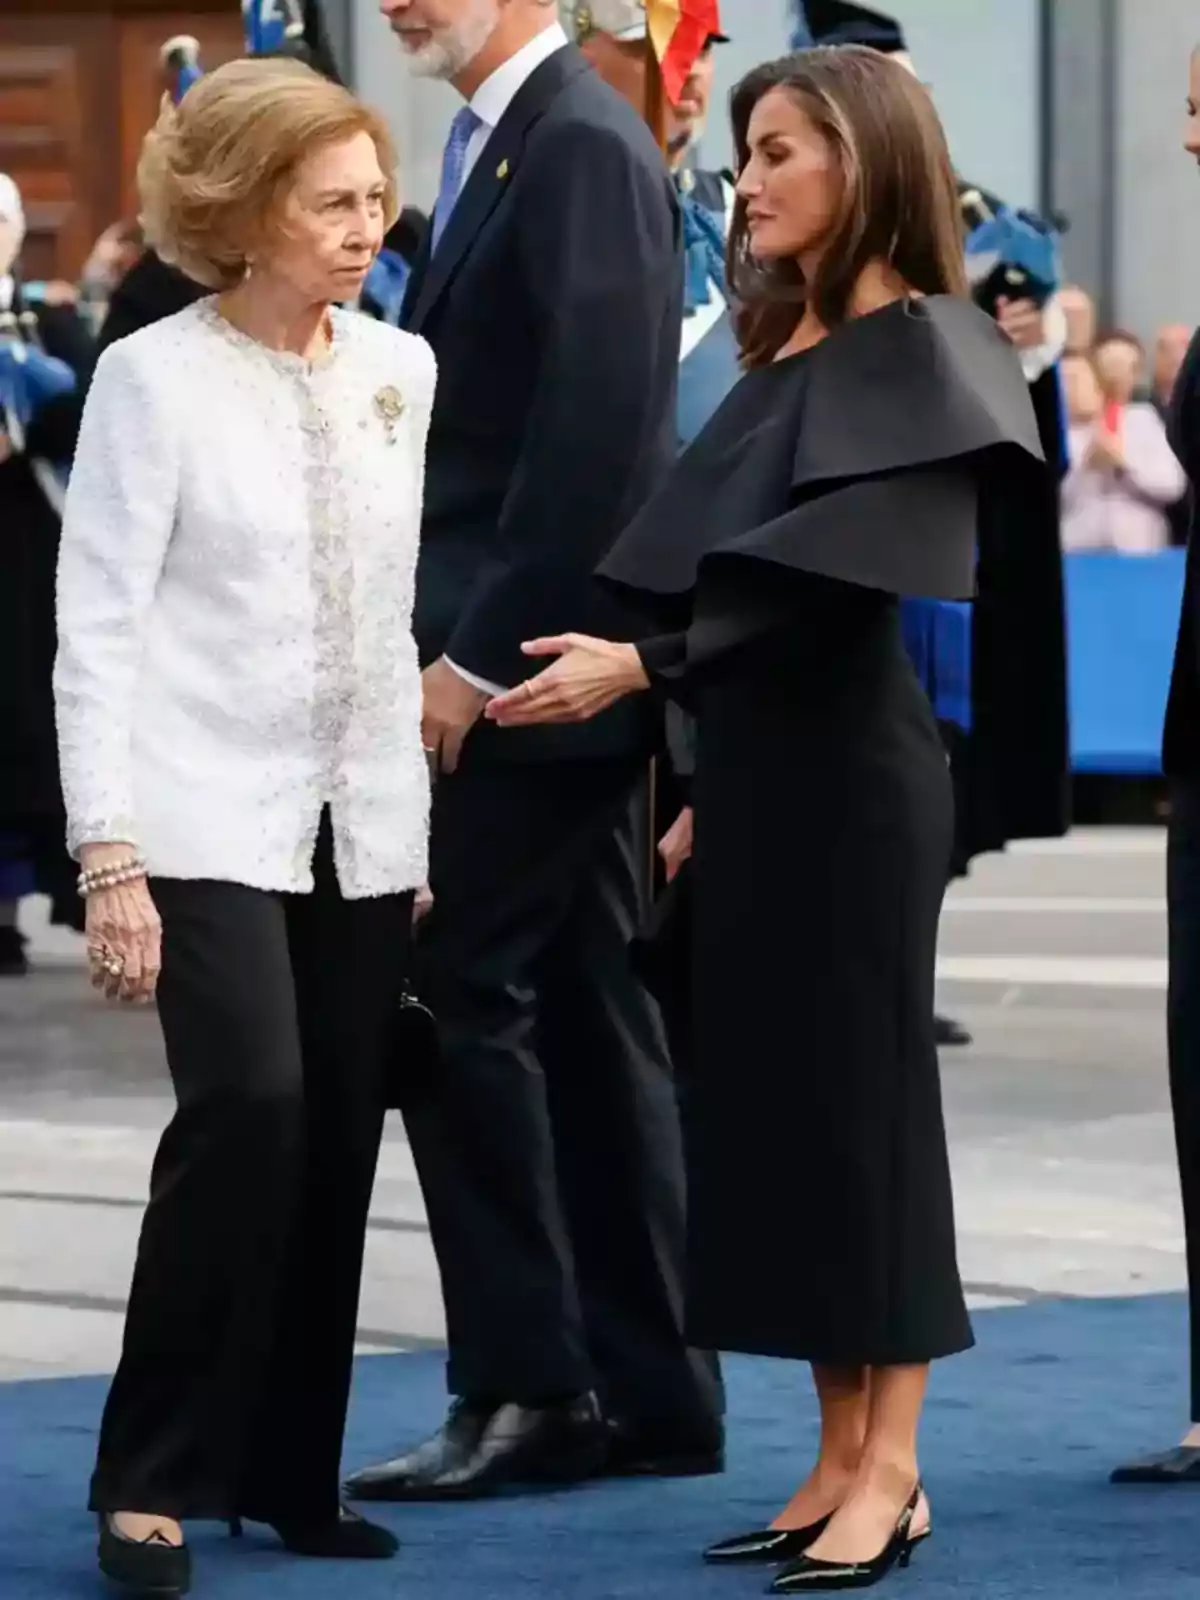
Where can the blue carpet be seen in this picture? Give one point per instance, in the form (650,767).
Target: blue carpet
(1020,1435)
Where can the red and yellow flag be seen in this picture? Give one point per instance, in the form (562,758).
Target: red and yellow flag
(679,31)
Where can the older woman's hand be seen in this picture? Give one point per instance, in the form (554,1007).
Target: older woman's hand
(589,676)
(123,931)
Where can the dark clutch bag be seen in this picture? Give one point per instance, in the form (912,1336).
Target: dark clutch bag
(414,1055)
(662,958)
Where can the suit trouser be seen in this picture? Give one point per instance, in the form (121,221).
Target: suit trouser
(551,1159)
(234,1379)
(1183,1032)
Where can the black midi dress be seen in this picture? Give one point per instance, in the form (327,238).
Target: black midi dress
(829,484)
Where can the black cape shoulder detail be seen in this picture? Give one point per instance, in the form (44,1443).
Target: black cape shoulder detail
(898,423)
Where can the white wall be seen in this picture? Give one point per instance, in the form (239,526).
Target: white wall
(991,116)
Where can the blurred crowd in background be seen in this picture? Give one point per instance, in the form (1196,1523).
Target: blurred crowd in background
(1124,491)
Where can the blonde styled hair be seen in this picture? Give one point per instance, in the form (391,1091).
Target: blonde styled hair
(216,169)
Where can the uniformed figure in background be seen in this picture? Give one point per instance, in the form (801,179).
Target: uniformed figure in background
(45,350)
(1005,720)
(612,34)
(387,282)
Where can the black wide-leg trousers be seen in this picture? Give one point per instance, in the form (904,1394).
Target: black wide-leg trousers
(1183,1033)
(234,1379)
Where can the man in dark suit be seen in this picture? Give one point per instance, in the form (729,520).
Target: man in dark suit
(1181,765)
(550,1155)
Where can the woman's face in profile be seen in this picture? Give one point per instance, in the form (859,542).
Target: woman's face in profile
(790,182)
(333,222)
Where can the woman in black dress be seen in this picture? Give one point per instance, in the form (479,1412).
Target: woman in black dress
(842,472)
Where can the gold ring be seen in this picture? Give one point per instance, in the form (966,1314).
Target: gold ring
(114,965)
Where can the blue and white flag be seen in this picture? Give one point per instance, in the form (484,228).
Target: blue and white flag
(271,25)
(181,61)
(1015,250)
(295,28)
(28,378)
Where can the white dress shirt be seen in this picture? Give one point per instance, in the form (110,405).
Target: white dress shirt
(495,94)
(235,595)
(489,103)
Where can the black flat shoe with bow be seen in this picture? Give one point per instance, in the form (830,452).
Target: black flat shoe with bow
(767,1545)
(808,1574)
(150,1566)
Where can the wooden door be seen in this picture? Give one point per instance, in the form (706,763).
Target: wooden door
(140,38)
(80,84)
(52,102)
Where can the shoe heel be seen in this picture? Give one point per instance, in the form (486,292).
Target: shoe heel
(910,1548)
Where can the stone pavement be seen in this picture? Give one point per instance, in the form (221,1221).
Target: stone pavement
(1060,1132)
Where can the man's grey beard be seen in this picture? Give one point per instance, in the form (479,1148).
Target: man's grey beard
(454,48)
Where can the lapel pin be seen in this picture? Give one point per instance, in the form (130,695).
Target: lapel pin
(502,169)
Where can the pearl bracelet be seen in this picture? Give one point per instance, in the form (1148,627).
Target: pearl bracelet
(93,879)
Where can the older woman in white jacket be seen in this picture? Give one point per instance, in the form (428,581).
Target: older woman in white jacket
(239,722)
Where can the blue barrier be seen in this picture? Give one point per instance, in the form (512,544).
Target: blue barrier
(1122,617)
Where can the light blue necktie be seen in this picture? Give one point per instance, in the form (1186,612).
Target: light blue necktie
(453,164)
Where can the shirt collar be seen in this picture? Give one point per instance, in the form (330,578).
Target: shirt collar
(495,94)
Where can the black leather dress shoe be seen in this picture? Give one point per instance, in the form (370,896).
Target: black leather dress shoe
(766,1545)
(948,1032)
(1178,1465)
(14,963)
(515,1446)
(450,1448)
(635,1453)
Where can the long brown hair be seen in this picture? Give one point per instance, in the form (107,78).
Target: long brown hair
(898,204)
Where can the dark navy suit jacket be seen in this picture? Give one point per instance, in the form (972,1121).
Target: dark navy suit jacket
(553,304)
(1181,735)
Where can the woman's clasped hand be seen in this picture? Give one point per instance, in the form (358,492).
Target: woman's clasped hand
(589,676)
(123,931)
